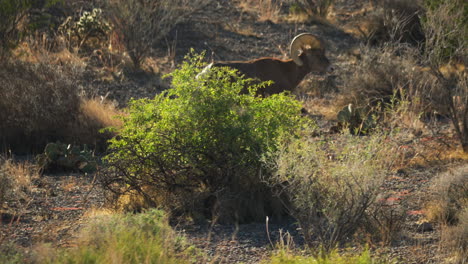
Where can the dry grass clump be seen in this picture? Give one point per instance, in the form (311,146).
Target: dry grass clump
(264,10)
(100,111)
(449,208)
(446,29)
(320,8)
(450,191)
(16,180)
(396,21)
(328,185)
(455,238)
(381,73)
(94,115)
(388,84)
(124,238)
(384,222)
(142,24)
(38,102)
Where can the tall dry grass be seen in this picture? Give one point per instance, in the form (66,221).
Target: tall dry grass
(328,185)
(449,208)
(124,238)
(38,103)
(41,103)
(17,180)
(264,10)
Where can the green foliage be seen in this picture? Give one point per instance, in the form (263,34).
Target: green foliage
(203,136)
(131,238)
(285,257)
(67,157)
(10,254)
(330,183)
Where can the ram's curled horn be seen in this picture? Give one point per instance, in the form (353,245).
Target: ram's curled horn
(302,41)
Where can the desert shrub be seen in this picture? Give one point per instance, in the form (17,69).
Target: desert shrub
(16,185)
(5,187)
(94,115)
(38,102)
(449,207)
(380,73)
(387,80)
(11,254)
(384,222)
(396,21)
(319,8)
(142,24)
(264,10)
(450,192)
(17,21)
(12,13)
(329,185)
(454,238)
(201,139)
(446,27)
(130,238)
(445,23)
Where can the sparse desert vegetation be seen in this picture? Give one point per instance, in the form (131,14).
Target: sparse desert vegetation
(118,146)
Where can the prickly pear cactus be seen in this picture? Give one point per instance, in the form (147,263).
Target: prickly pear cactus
(59,156)
(358,120)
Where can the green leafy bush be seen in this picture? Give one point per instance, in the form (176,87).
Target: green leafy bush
(330,183)
(201,139)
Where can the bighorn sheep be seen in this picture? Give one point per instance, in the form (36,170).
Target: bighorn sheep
(308,55)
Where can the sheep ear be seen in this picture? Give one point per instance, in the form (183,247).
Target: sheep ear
(297,56)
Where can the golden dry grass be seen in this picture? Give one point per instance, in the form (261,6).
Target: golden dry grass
(247,31)
(264,10)
(40,53)
(16,183)
(100,111)
(326,107)
(94,115)
(22,173)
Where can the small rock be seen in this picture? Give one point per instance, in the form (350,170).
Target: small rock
(425,227)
